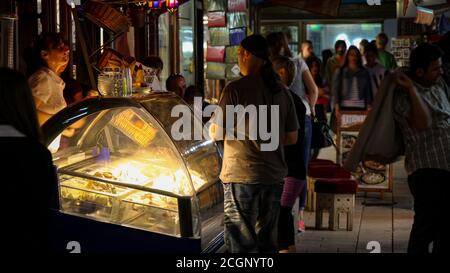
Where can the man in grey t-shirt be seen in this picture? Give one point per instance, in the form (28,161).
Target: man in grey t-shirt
(253,166)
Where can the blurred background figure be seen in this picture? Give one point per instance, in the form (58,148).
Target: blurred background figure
(153,65)
(307,49)
(326,54)
(352,88)
(278,44)
(385,58)
(336,61)
(376,70)
(362,45)
(191,92)
(177,84)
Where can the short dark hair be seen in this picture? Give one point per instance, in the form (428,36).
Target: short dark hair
(171,81)
(339,43)
(307,42)
(383,36)
(422,56)
(191,92)
(370,47)
(153,62)
(326,54)
(16,103)
(315,60)
(45,41)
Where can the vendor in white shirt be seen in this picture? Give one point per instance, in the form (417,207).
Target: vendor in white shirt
(50,59)
(50,56)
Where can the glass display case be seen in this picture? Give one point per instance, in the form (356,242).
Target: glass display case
(118,163)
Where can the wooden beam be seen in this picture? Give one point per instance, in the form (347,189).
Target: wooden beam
(352,11)
(174,44)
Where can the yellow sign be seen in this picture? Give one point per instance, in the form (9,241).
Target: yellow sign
(133,126)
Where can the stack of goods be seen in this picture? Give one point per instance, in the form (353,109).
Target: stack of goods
(227,27)
(105,16)
(112,58)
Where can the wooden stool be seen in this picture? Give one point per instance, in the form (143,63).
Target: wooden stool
(324,169)
(311,195)
(335,196)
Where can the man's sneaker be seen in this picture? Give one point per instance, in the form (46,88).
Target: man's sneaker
(301,226)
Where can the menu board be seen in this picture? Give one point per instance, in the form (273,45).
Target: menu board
(370,175)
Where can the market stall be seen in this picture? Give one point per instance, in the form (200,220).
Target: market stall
(127,185)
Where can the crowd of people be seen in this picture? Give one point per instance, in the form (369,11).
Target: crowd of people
(347,80)
(260,187)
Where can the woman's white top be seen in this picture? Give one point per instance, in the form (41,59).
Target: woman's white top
(47,86)
(297,86)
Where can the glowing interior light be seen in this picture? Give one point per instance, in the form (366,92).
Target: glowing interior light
(165,183)
(128,172)
(356,41)
(187,47)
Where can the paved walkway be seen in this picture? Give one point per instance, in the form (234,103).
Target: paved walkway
(387,221)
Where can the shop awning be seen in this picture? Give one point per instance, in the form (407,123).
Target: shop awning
(426,14)
(324,7)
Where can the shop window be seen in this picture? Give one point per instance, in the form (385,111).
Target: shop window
(324,36)
(186,38)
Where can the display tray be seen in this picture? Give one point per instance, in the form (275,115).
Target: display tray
(120,172)
(93,189)
(164,222)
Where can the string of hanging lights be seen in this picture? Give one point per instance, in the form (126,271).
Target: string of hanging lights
(172,5)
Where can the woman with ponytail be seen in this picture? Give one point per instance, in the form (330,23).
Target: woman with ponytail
(303,81)
(295,180)
(252,172)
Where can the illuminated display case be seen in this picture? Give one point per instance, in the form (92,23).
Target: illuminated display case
(119,165)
